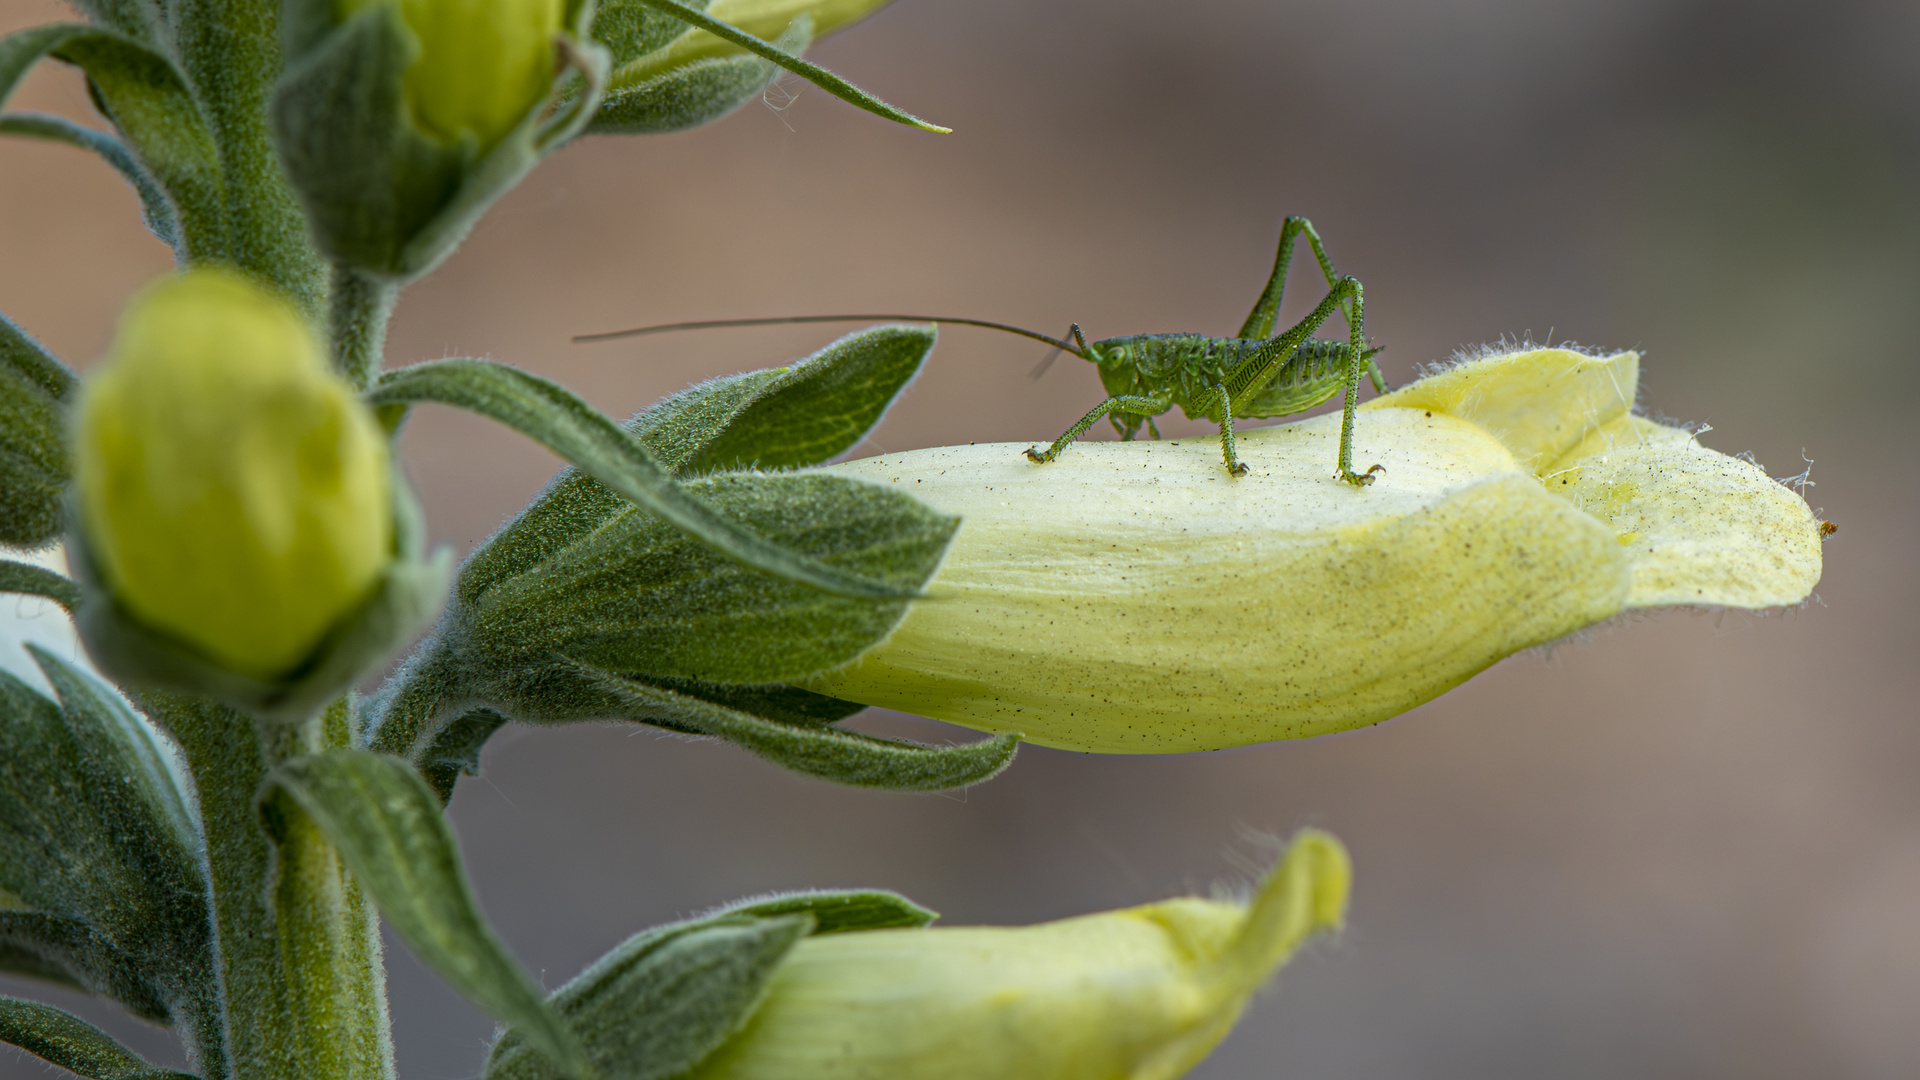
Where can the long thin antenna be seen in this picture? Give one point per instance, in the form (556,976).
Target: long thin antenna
(611,335)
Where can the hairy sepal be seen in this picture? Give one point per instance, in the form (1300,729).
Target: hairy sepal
(380,195)
(35,389)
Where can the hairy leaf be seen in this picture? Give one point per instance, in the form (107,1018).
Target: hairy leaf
(19,577)
(96,831)
(664,999)
(68,953)
(455,750)
(829,753)
(640,598)
(148,100)
(71,1043)
(813,73)
(387,825)
(556,418)
(837,911)
(154,206)
(785,416)
(34,391)
(823,405)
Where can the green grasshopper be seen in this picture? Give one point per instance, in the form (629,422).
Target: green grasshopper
(1252,374)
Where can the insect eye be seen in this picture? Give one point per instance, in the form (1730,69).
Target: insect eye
(1116,353)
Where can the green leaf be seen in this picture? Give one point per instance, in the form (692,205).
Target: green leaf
(154,206)
(553,416)
(71,1043)
(455,750)
(818,76)
(695,93)
(837,911)
(148,101)
(387,825)
(780,417)
(823,405)
(96,831)
(19,577)
(35,389)
(640,598)
(844,757)
(67,953)
(662,1001)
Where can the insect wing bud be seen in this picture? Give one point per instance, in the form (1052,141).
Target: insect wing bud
(234,492)
(1143,993)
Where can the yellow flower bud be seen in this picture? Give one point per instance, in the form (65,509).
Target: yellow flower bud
(1140,994)
(234,492)
(483,64)
(1133,597)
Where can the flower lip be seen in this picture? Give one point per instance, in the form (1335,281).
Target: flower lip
(1131,597)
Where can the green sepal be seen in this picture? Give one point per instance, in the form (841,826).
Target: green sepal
(663,1000)
(558,419)
(380,195)
(73,1044)
(154,207)
(35,389)
(775,418)
(691,94)
(837,911)
(99,845)
(149,101)
(388,827)
(813,73)
(640,598)
(404,599)
(824,752)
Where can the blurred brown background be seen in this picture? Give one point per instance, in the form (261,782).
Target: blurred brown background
(1687,845)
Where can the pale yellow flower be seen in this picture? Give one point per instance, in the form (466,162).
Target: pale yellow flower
(1138,994)
(1134,598)
(234,492)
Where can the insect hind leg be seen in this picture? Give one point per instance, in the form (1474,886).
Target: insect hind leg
(1138,406)
(1260,320)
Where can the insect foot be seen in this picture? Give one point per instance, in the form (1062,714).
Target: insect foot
(1038,457)
(1360,479)
(1123,600)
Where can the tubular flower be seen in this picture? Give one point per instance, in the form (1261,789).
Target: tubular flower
(1142,994)
(483,64)
(234,492)
(1133,598)
(766,19)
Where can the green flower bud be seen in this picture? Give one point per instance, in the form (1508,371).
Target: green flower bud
(1133,598)
(235,494)
(1144,993)
(483,64)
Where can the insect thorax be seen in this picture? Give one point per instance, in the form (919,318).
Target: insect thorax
(1182,369)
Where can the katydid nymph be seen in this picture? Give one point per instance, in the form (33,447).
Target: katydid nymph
(1253,374)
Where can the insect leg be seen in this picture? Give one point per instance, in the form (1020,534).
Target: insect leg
(1356,350)
(1139,406)
(1234,465)
(1259,322)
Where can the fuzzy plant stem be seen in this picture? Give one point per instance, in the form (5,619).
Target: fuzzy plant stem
(301,980)
(358,308)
